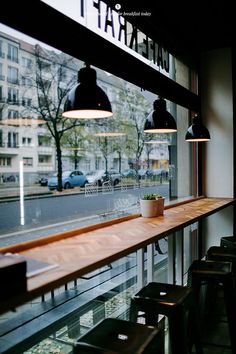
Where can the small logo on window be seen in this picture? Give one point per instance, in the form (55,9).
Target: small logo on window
(117,6)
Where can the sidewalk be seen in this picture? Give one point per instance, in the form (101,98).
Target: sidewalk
(13,192)
(7,190)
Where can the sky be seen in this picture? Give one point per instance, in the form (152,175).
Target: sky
(24,37)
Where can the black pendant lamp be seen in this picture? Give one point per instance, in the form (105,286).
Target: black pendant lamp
(197,132)
(87,100)
(160,120)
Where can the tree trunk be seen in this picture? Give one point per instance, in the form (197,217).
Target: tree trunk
(119,159)
(106,154)
(76,160)
(59,165)
(106,163)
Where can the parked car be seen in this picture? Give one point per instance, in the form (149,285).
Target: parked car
(100,176)
(130,173)
(70,179)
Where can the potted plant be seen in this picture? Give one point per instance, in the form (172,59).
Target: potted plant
(152,205)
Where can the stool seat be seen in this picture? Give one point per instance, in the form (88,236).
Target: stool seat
(219,253)
(228,242)
(163,297)
(204,270)
(115,336)
(178,304)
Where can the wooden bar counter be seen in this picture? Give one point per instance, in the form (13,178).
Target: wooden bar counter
(80,251)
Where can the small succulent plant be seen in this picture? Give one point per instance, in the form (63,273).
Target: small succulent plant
(152,196)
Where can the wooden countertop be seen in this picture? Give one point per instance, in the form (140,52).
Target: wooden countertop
(87,249)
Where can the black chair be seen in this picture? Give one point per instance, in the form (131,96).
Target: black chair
(115,336)
(178,304)
(214,274)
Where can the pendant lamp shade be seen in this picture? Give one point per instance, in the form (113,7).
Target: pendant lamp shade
(87,100)
(160,120)
(197,132)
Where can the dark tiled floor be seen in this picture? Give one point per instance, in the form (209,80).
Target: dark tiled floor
(214,327)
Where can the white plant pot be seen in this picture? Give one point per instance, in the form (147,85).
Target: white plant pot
(152,208)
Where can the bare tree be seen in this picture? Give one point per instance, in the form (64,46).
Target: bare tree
(136,109)
(76,141)
(110,144)
(51,84)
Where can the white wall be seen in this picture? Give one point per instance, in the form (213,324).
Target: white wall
(217,114)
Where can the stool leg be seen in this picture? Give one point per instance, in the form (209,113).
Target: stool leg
(133,312)
(230,310)
(178,332)
(194,334)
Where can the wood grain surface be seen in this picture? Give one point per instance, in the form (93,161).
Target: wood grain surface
(81,252)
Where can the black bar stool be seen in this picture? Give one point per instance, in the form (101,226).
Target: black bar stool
(178,304)
(115,336)
(228,242)
(215,273)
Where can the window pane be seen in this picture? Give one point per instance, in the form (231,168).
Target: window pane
(104,174)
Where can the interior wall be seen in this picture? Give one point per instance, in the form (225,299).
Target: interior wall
(217,114)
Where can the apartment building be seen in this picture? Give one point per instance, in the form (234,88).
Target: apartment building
(24,134)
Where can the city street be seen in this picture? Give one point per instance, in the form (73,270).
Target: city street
(53,213)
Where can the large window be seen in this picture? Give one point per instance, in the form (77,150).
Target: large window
(106,165)
(117,170)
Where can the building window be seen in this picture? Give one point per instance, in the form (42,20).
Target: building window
(44,140)
(26,141)
(13,95)
(2,55)
(12,53)
(1,139)
(27,161)
(13,113)
(45,159)
(12,75)
(13,140)
(27,102)
(26,81)
(1,97)
(26,63)
(2,77)
(5,161)
(45,66)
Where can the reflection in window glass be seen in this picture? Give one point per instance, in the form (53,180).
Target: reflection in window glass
(116,160)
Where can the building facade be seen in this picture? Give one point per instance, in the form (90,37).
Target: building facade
(21,138)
